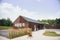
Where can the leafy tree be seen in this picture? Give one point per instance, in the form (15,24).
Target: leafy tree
(5,22)
(8,22)
(48,21)
(58,21)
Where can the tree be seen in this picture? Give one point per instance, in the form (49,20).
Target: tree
(8,22)
(48,21)
(5,22)
(58,21)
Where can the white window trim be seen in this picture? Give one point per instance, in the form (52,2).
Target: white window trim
(23,24)
(20,24)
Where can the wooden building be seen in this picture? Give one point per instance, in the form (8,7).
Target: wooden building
(24,22)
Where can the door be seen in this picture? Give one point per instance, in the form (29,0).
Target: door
(38,27)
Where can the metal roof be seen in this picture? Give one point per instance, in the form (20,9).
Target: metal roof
(35,21)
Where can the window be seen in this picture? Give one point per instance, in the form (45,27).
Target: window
(17,24)
(23,24)
(20,24)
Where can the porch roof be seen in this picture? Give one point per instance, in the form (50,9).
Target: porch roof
(35,21)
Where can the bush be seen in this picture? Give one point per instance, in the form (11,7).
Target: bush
(13,33)
(50,33)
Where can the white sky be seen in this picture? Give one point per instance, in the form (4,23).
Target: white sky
(35,9)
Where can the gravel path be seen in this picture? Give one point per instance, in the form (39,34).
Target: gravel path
(4,33)
(3,38)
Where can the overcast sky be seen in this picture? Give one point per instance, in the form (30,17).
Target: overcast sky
(35,9)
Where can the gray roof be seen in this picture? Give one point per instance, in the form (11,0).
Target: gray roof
(35,21)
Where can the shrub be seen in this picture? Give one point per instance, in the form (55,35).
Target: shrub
(18,32)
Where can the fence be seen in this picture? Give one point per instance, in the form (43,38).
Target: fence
(56,26)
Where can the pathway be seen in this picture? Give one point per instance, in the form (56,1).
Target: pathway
(37,35)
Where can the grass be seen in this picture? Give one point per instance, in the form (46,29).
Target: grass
(50,33)
(5,27)
(13,33)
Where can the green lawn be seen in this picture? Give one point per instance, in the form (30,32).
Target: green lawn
(5,27)
(50,33)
